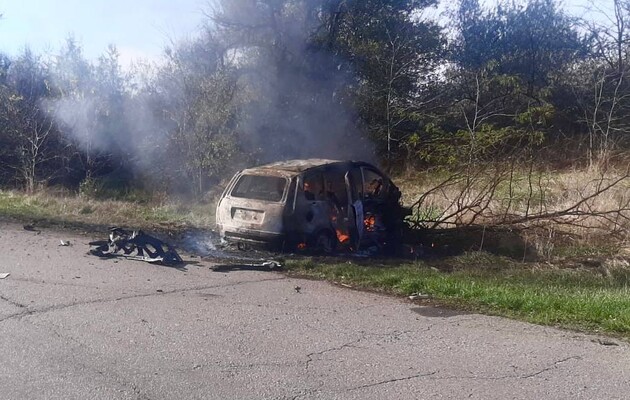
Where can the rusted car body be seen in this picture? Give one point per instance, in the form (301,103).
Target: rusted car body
(311,204)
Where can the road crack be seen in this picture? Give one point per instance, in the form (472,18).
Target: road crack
(309,357)
(31,312)
(352,344)
(12,302)
(388,381)
(551,367)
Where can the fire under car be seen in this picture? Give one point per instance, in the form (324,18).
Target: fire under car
(312,205)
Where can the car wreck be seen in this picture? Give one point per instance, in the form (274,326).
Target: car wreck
(312,205)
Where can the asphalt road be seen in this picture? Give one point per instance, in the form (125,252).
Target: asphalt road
(73,326)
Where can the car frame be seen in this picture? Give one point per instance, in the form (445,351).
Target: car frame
(313,204)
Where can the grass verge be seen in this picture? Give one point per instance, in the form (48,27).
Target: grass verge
(577,299)
(45,208)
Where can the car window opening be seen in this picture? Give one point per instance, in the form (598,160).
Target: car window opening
(260,187)
(313,187)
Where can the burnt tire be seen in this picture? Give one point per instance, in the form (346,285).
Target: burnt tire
(324,242)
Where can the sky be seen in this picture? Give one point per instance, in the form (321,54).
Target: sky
(140,29)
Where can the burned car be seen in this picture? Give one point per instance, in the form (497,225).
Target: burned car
(312,205)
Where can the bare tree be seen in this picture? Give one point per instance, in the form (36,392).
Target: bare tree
(35,135)
(499,195)
(602,88)
(32,127)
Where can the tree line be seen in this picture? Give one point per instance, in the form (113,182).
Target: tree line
(382,80)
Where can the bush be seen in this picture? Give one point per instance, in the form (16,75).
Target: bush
(89,188)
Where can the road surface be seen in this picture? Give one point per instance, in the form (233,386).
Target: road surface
(73,326)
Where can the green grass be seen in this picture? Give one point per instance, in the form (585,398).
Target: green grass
(577,299)
(17,205)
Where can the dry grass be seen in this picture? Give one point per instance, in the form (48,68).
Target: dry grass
(580,208)
(63,208)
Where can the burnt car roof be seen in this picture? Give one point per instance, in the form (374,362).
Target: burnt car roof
(296,167)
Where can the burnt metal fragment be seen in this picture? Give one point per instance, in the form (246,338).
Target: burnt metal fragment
(135,245)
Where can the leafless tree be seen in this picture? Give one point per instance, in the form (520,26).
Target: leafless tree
(35,137)
(604,92)
(31,126)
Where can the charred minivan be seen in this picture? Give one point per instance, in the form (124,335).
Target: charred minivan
(311,205)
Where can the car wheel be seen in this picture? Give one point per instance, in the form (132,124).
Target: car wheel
(325,242)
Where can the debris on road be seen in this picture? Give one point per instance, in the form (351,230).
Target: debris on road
(135,245)
(252,265)
(297,289)
(271,264)
(419,296)
(4,275)
(64,243)
(31,228)
(605,342)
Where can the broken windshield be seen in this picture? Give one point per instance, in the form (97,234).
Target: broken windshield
(260,187)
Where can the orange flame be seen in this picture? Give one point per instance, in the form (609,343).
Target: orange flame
(369,223)
(301,246)
(342,237)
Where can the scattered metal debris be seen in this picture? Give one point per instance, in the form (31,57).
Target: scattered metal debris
(64,243)
(419,296)
(32,228)
(4,275)
(135,245)
(271,264)
(248,264)
(605,342)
